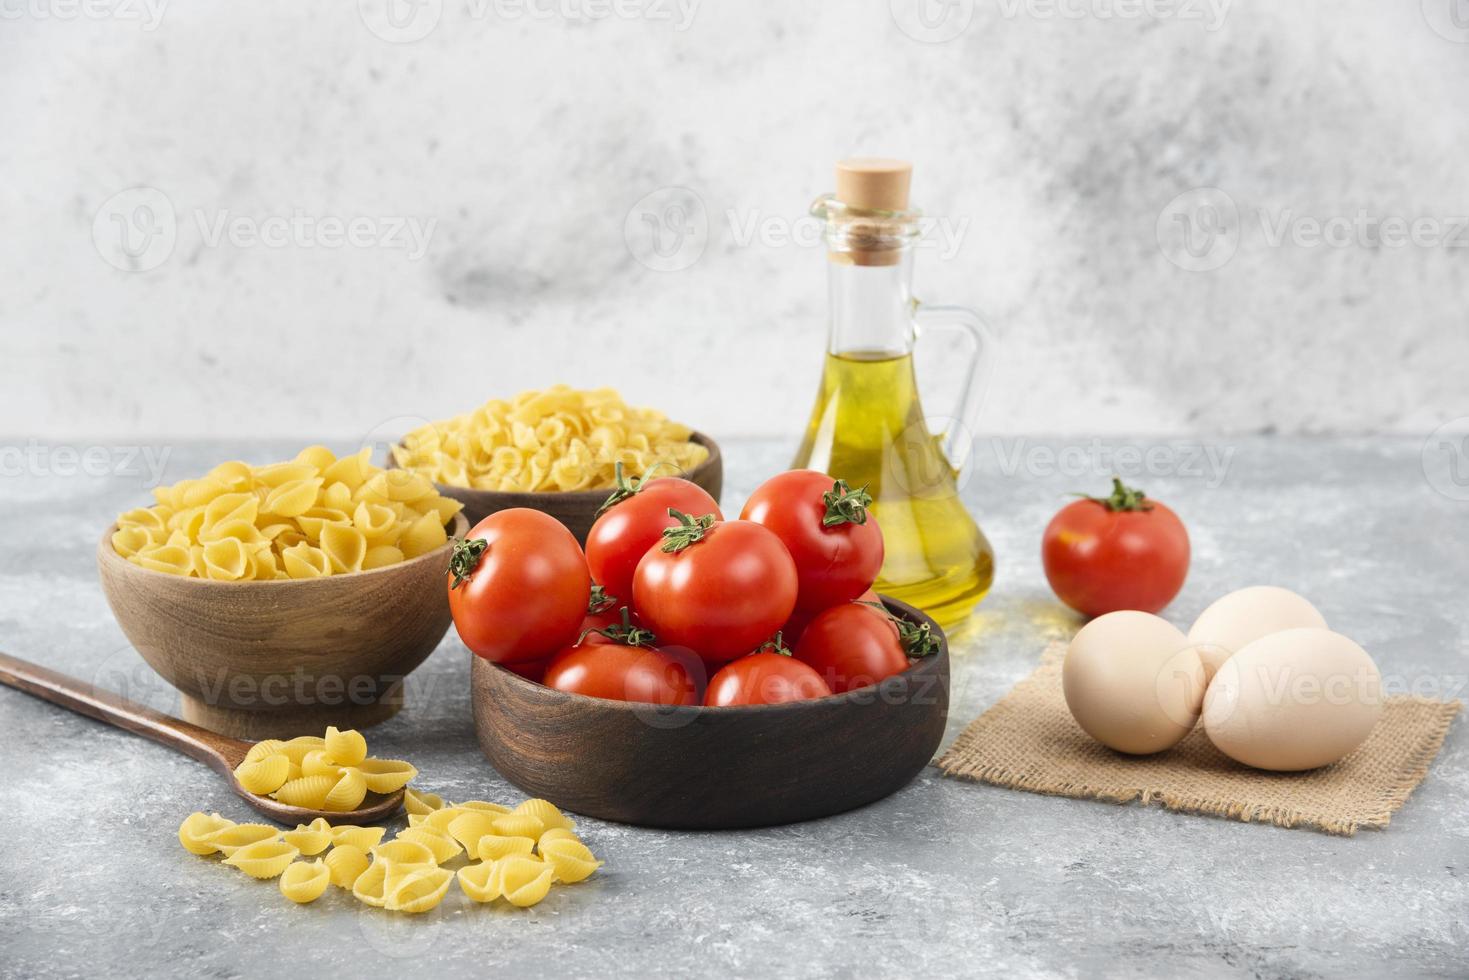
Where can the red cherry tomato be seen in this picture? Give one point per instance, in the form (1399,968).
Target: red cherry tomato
(764,678)
(518,586)
(594,623)
(603,613)
(629,527)
(1125,551)
(824,524)
(852,646)
(622,673)
(726,588)
(795,627)
(531,670)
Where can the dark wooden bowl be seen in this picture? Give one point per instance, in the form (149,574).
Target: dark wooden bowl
(286,657)
(701,768)
(576,509)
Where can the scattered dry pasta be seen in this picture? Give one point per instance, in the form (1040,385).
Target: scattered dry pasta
(418,890)
(197,829)
(523,881)
(346,862)
(556,439)
(304,882)
(363,838)
(309,517)
(420,804)
(569,858)
(229,839)
(310,839)
(514,854)
(263,859)
(443,847)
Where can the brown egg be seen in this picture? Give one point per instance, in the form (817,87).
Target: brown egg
(1133,682)
(1293,700)
(1238,619)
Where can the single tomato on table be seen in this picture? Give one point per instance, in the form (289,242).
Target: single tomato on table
(1125,551)
(632,520)
(720,588)
(824,524)
(770,675)
(518,586)
(855,645)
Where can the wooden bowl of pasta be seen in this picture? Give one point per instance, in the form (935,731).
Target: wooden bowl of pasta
(274,658)
(702,768)
(577,509)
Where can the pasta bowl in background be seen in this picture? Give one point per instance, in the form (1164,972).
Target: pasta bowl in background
(275,658)
(577,509)
(700,768)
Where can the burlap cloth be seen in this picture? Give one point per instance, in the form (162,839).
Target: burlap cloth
(1029,741)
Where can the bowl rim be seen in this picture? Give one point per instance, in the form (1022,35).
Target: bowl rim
(109,553)
(448,489)
(894,605)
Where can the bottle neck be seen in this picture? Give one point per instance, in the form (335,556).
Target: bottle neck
(871,307)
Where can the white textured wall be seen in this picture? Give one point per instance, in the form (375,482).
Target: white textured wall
(1056,142)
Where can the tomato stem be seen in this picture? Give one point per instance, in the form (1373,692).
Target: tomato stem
(599,600)
(626,486)
(1123,498)
(686,532)
(845,505)
(464,559)
(776,644)
(917,639)
(624,633)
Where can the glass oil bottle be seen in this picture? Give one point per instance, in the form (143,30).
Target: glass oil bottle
(868,425)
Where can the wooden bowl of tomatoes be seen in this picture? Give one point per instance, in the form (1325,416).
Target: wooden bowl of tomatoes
(688,670)
(577,509)
(712,768)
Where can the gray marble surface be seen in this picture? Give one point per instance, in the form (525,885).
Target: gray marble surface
(943,878)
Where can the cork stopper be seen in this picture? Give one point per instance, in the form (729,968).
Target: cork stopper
(874,184)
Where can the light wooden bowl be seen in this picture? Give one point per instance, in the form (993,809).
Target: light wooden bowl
(576,509)
(714,768)
(287,657)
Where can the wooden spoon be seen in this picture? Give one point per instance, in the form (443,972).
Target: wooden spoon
(220,752)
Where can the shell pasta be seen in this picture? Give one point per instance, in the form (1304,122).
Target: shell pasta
(331,772)
(310,517)
(304,882)
(556,439)
(495,852)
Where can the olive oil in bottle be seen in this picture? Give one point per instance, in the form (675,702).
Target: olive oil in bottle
(868,425)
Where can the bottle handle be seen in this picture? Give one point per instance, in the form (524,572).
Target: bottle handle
(957,438)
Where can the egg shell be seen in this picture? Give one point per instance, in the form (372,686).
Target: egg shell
(1293,700)
(1132,682)
(1236,620)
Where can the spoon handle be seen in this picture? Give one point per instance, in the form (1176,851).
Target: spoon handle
(211,748)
